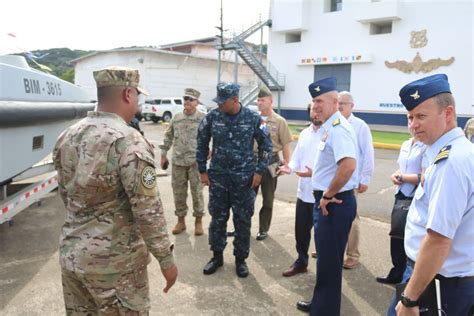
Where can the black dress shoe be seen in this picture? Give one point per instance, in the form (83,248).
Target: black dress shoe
(389,280)
(293,270)
(231,233)
(304,306)
(262,235)
(213,265)
(241,268)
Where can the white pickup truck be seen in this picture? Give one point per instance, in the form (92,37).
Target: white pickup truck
(164,109)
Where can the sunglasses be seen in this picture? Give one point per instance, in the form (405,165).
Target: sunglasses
(186,98)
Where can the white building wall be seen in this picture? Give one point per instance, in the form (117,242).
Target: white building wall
(449,27)
(164,74)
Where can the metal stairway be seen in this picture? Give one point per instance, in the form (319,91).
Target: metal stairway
(273,79)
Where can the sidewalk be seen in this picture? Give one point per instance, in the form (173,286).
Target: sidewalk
(30,281)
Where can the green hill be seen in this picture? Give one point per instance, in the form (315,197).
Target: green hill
(58,59)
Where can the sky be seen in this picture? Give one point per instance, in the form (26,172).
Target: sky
(105,24)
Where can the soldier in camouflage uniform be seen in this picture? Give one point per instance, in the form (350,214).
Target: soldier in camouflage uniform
(107,181)
(232,173)
(182,133)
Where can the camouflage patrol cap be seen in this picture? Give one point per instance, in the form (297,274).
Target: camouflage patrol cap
(264,92)
(193,93)
(118,76)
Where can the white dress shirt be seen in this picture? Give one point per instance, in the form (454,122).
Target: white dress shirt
(365,160)
(304,155)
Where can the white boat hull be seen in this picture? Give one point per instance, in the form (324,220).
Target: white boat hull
(34,109)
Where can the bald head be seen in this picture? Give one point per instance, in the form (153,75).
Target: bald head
(345,103)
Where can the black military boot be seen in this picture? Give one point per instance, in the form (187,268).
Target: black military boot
(241,268)
(216,261)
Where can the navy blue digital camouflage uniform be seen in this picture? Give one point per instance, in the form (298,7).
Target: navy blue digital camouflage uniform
(231,172)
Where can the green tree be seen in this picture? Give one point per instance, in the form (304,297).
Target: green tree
(68,75)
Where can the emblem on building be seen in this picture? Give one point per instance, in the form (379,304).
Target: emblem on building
(418,39)
(418,65)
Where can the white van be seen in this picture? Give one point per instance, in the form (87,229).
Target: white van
(165,108)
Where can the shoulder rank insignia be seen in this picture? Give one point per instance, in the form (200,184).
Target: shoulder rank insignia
(336,122)
(415,95)
(443,154)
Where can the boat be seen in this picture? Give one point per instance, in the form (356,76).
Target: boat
(35,107)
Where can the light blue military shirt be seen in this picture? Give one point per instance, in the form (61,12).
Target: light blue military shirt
(410,161)
(338,141)
(445,203)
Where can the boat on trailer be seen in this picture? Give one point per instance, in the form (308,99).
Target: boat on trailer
(35,107)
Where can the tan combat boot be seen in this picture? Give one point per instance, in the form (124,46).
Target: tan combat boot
(180,226)
(198,231)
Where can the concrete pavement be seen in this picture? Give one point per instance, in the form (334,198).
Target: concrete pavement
(30,281)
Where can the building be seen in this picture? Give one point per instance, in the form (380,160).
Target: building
(373,48)
(168,70)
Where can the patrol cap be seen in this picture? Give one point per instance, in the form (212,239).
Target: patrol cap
(422,89)
(118,76)
(264,92)
(322,86)
(225,91)
(193,93)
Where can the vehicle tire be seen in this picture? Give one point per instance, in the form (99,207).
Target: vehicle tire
(154,119)
(147,117)
(166,117)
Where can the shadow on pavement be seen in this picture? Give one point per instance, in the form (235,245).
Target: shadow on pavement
(28,244)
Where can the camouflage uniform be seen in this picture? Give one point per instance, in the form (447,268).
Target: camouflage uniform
(114,218)
(231,172)
(182,133)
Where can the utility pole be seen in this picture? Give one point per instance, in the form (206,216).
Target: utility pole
(219,50)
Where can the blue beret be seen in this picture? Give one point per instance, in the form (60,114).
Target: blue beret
(225,91)
(322,86)
(422,89)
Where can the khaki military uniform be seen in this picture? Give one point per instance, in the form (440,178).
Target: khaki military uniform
(182,134)
(280,136)
(114,217)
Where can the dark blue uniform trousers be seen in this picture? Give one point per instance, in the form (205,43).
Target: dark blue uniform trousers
(231,191)
(303,226)
(457,298)
(331,233)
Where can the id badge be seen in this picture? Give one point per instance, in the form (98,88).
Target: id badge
(321,146)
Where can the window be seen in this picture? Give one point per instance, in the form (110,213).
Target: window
(165,101)
(292,37)
(342,73)
(178,101)
(38,142)
(381,28)
(336,5)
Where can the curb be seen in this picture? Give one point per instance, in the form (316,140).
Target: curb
(376,145)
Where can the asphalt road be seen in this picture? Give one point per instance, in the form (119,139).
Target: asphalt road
(30,278)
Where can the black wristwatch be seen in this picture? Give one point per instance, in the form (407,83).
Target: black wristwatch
(407,302)
(327,197)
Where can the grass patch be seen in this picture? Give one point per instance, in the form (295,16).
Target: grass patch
(389,137)
(377,136)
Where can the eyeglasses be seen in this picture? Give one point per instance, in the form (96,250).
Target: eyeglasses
(186,98)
